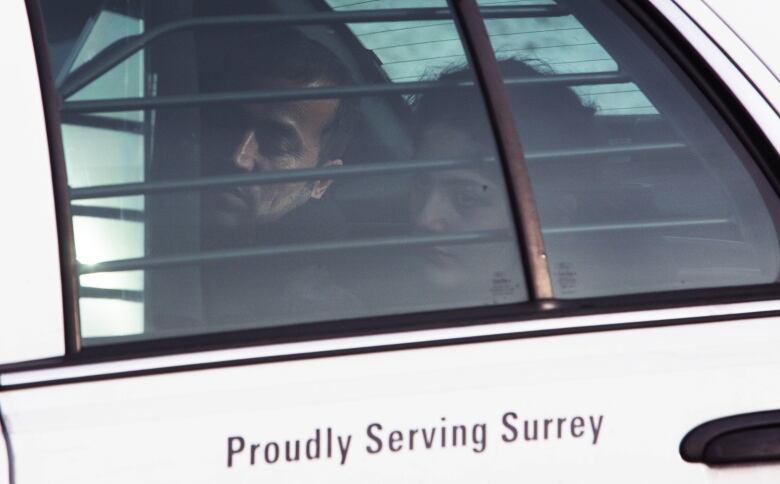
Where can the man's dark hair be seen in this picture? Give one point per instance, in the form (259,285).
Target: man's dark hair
(543,112)
(241,59)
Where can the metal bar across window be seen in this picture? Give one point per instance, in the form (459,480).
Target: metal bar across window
(282,95)
(644,148)
(404,241)
(284,176)
(111,213)
(102,293)
(103,122)
(660,224)
(124,48)
(383,242)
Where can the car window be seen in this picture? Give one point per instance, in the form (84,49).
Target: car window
(639,183)
(244,165)
(634,195)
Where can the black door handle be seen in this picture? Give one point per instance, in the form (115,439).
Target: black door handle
(749,437)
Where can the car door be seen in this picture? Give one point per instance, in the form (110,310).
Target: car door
(548,253)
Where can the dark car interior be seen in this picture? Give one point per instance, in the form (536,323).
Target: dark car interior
(651,204)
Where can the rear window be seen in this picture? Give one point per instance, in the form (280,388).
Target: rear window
(244,165)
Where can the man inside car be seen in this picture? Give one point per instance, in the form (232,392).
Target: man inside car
(263,138)
(270,136)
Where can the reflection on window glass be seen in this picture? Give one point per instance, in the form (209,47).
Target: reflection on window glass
(215,187)
(561,45)
(412,51)
(407,51)
(105,149)
(187,218)
(637,191)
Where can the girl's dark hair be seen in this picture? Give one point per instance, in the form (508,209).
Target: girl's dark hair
(546,115)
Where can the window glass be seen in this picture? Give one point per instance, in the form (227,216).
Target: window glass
(215,187)
(104,149)
(640,186)
(416,50)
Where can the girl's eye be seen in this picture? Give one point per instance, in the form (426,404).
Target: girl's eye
(472,197)
(467,200)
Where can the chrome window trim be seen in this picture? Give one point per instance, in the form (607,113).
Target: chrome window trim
(248,355)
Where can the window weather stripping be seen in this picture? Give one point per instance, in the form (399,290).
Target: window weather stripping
(480,54)
(281,95)
(404,241)
(67,248)
(126,47)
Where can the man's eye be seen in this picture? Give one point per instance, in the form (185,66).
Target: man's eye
(273,147)
(275,143)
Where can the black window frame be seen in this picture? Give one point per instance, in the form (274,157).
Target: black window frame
(471,25)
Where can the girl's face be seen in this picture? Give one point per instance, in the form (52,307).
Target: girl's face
(465,200)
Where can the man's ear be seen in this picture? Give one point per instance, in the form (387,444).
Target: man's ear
(321,186)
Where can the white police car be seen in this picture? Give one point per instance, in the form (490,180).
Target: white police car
(390,241)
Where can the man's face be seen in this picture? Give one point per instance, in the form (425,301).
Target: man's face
(275,136)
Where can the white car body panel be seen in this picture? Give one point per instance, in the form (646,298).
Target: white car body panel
(648,386)
(732,60)
(32,294)
(755,23)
